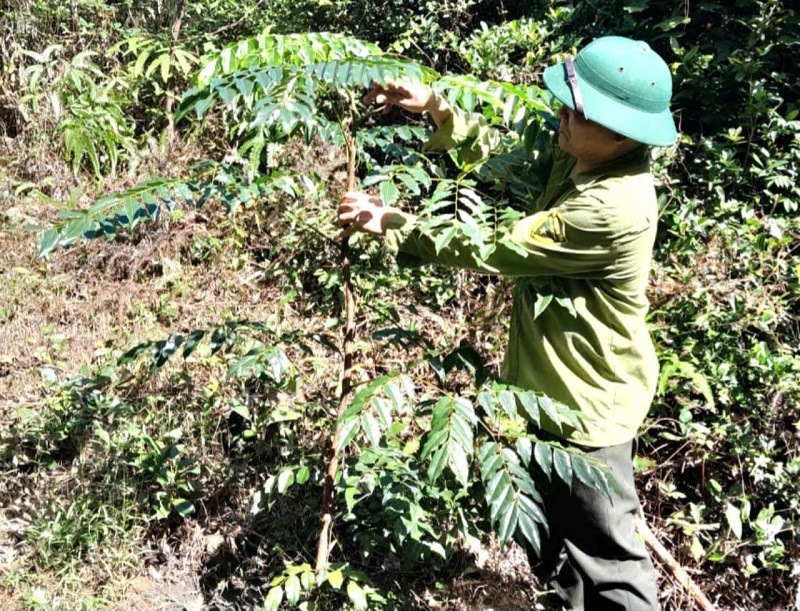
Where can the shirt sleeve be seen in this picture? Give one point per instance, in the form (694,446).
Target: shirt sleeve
(572,240)
(470,133)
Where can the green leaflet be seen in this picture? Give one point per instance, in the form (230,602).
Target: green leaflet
(262,361)
(544,458)
(509,104)
(542,301)
(563,466)
(48,242)
(273,600)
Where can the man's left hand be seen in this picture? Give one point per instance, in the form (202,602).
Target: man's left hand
(362,212)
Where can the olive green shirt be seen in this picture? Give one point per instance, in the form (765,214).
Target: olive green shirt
(589,238)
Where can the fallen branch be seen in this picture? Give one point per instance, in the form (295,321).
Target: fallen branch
(668,560)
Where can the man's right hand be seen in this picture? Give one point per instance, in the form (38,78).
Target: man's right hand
(412,96)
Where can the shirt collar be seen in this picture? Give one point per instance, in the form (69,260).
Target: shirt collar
(632,162)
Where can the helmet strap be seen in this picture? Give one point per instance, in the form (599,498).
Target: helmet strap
(572,79)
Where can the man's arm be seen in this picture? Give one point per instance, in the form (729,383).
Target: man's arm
(574,240)
(474,138)
(570,241)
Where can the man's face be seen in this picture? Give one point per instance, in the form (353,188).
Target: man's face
(586,140)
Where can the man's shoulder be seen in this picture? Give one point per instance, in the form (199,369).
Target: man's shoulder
(616,204)
(629,191)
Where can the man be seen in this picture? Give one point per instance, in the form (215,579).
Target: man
(590,238)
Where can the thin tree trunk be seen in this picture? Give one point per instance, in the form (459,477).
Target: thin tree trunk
(168,108)
(76,22)
(324,547)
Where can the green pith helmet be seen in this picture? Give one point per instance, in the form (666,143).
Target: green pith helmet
(621,84)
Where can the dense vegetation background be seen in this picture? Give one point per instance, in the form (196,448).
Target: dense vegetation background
(134,480)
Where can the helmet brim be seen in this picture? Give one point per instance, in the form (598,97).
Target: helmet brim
(653,128)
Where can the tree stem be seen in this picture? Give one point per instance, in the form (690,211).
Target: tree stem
(332,464)
(171,95)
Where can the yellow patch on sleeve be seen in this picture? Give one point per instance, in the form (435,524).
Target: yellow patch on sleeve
(549,229)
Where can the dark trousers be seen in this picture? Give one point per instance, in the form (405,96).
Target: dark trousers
(593,558)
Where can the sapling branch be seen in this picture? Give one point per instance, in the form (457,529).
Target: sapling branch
(332,463)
